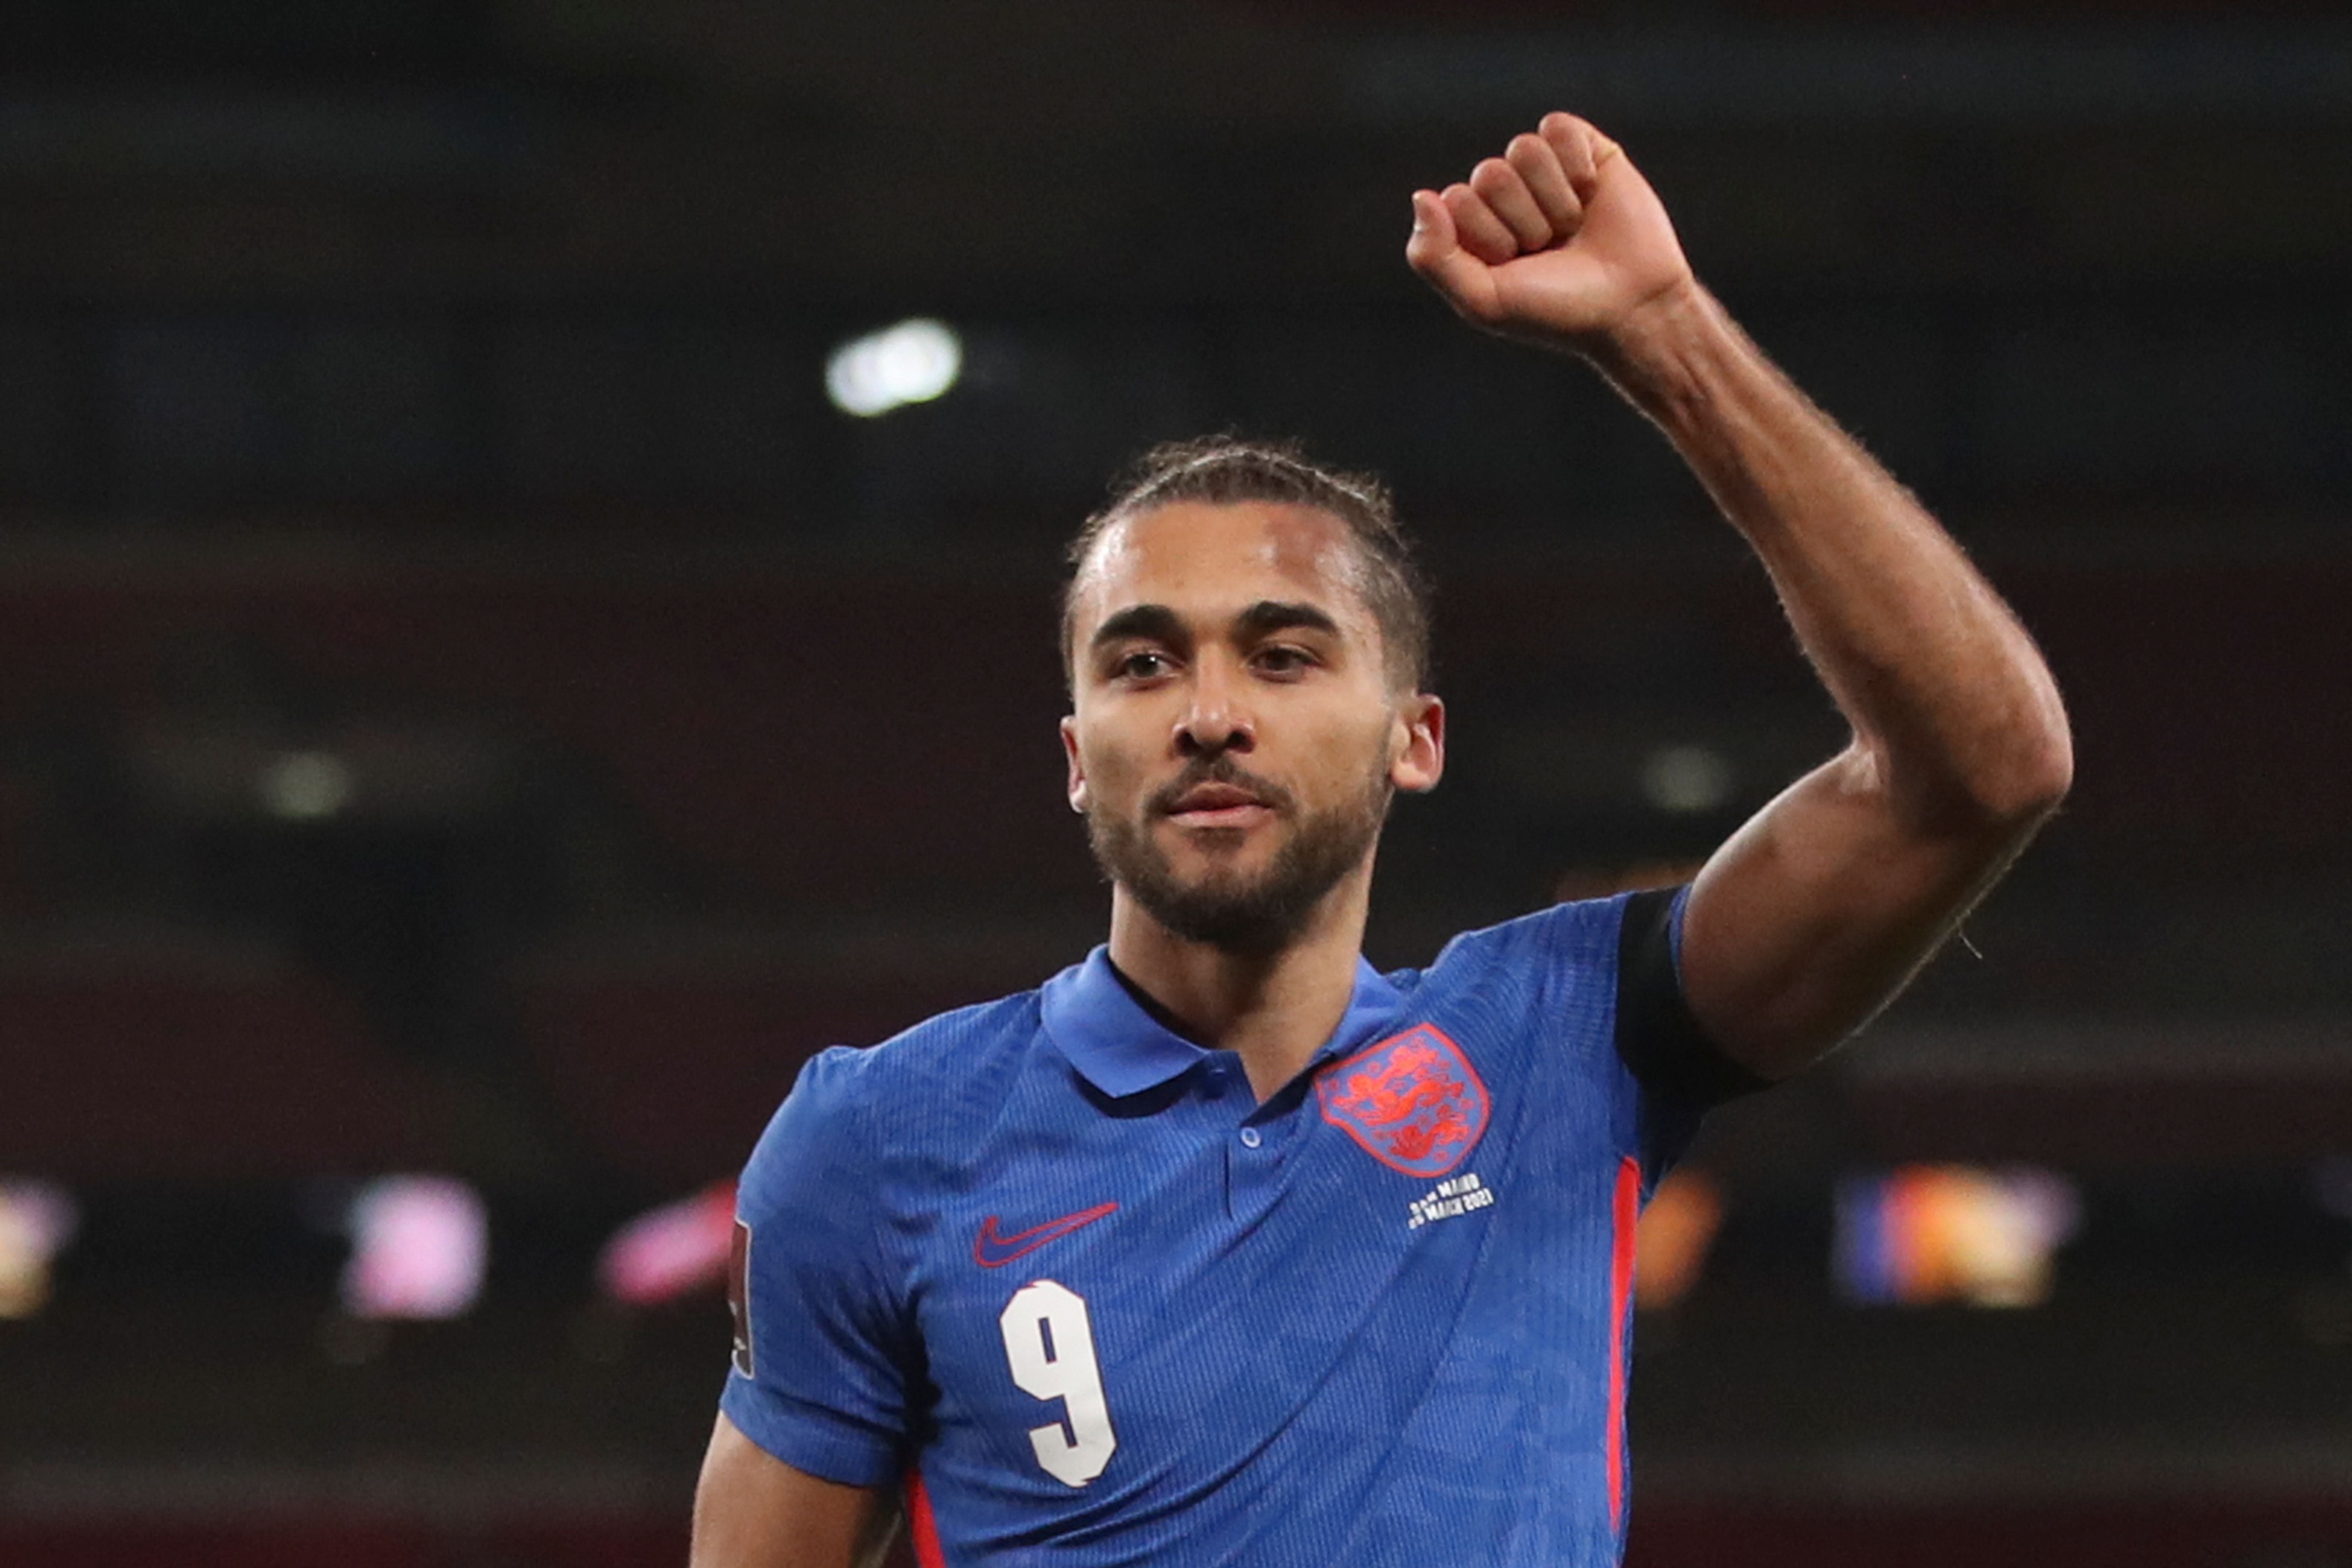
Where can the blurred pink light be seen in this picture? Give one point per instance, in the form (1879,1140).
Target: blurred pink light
(37,1220)
(672,1251)
(420,1246)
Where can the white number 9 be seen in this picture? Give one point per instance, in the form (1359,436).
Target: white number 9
(1051,1348)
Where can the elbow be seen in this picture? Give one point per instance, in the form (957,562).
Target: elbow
(2024,762)
(2030,773)
(2006,785)
(2043,777)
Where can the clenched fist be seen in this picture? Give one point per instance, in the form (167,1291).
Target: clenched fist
(1560,241)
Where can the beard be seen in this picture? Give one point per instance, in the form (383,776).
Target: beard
(1228,909)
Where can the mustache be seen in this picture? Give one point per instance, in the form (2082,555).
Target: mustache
(1218,770)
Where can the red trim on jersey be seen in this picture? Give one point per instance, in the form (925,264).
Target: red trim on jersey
(921,1525)
(1625,1219)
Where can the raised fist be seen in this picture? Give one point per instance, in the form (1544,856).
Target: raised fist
(1560,241)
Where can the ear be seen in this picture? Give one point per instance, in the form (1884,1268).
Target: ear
(1418,760)
(1078,786)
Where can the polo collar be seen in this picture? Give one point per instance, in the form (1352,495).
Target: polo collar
(1122,1049)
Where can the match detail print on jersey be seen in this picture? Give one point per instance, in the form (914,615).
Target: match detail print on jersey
(1411,1101)
(1050,1346)
(991,1250)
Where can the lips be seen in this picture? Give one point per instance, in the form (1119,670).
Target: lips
(1219,803)
(1212,797)
(1219,794)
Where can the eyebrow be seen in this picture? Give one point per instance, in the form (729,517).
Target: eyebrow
(1155,622)
(1159,624)
(1274,616)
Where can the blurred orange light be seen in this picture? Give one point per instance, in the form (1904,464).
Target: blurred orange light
(37,1220)
(1677,1229)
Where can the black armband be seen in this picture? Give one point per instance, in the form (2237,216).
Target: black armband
(1658,1039)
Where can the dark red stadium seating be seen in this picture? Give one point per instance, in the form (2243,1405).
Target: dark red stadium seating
(2149,1532)
(125,1060)
(835,736)
(670,1069)
(346,1543)
(790,725)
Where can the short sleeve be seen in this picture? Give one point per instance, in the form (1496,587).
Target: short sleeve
(823,1355)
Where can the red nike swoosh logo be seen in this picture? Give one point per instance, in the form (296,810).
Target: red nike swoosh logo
(991,1250)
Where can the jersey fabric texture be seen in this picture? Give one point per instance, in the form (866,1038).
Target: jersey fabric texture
(1049,1263)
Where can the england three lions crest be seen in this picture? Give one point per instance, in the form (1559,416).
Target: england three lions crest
(1413,1101)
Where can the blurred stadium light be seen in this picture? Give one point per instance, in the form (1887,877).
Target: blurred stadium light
(36,1221)
(671,1251)
(1677,1229)
(420,1246)
(1926,1233)
(913,361)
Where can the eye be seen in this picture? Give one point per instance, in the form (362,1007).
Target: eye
(1143,664)
(1283,660)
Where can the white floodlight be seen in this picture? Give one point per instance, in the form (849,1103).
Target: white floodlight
(1688,781)
(305,786)
(913,361)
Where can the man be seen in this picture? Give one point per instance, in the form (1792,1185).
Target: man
(1223,1247)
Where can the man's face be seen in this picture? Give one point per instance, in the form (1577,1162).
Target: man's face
(1235,739)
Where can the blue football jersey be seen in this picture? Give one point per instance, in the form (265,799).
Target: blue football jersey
(1051,1266)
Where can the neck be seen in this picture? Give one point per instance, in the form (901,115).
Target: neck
(1272,1009)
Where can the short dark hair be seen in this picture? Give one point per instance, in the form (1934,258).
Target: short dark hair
(1226,470)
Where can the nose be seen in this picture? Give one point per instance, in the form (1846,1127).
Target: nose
(1215,719)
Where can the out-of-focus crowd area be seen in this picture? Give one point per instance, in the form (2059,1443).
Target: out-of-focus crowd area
(528,555)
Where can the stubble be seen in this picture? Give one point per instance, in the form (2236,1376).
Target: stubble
(1227,908)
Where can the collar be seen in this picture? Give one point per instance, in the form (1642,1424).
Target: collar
(1121,1049)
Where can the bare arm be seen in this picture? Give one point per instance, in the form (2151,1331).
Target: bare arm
(1814,915)
(753,1511)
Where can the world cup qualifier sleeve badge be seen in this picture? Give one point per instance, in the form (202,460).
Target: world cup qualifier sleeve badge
(1411,1101)
(738,1297)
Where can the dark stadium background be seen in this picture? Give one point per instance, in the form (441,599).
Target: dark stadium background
(431,393)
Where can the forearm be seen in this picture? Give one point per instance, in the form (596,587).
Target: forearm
(1955,715)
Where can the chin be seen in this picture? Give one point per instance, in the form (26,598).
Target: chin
(1223,849)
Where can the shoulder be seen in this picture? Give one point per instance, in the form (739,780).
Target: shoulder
(853,1107)
(1549,978)
(1562,941)
(948,1051)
